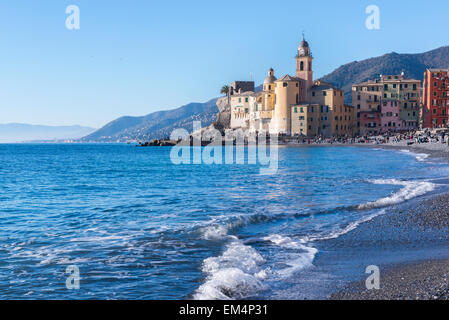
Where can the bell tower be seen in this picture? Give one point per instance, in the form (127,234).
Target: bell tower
(304,63)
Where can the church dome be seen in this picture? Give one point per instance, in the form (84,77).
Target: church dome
(303,48)
(303,44)
(270,78)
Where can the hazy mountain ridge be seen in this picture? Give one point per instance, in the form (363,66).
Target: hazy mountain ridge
(160,124)
(156,125)
(20,132)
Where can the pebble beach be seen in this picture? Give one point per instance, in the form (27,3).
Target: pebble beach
(426,279)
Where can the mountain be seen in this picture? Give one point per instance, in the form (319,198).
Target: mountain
(413,65)
(161,124)
(156,125)
(19,132)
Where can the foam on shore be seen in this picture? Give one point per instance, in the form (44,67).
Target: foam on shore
(419,156)
(236,274)
(410,190)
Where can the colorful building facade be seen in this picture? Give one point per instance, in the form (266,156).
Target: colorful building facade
(368,100)
(294,105)
(436,98)
(390,119)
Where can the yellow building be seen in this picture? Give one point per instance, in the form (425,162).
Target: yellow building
(294,105)
(306,120)
(287,94)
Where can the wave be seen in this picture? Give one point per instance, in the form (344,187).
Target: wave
(304,258)
(239,272)
(351,226)
(419,156)
(236,274)
(410,190)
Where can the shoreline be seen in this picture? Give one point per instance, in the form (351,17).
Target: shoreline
(415,278)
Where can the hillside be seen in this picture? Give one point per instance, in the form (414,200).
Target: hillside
(156,125)
(413,65)
(19,132)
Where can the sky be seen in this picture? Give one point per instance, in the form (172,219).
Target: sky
(139,56)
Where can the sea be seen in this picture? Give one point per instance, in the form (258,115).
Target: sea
(116,221)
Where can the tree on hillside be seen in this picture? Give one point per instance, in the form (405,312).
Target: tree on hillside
(224,90)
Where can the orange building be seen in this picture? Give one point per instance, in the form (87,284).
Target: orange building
(436,98)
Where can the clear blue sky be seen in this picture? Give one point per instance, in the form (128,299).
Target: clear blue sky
(138,56)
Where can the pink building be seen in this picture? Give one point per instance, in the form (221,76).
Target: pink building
(389,118)
(370,123)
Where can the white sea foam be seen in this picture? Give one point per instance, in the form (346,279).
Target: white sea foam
(419,156)
(214,232)
(303,256)
(236,274)
(410,190)
(351,226)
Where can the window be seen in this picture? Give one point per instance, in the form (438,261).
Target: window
(324,93)
(301,66)
(313,93)
(285,84)
(246,99)
(296,110)
(240,100)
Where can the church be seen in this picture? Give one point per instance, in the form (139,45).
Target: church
(292,105)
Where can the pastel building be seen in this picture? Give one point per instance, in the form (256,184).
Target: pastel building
(436,98)
(389,117)
(294,105)
(368,98)
(242,104)
(370,123)
(408,94)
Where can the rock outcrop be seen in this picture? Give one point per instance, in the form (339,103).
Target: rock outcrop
(223,121)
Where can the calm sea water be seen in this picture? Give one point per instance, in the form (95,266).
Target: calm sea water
(139,227)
